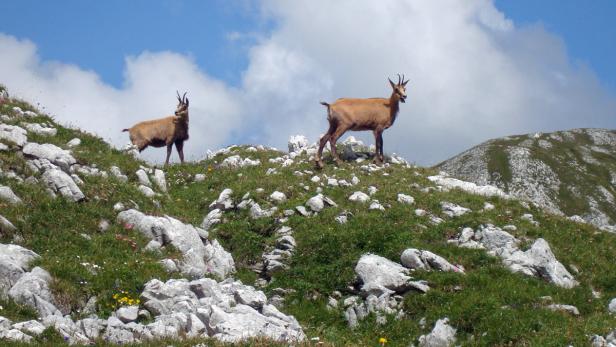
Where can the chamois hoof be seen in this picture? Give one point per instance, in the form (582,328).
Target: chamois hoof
(318,164)
(338,162)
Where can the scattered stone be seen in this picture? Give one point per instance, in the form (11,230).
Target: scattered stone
(6,226)
(278,197)
(73,143)
(13,134)
(612,306)
(297,143)
(405,199)
(488,206)
(420,213)
(359,197)
(147,191)
(6,194)
(144,180)
(376,205)
(235,161)
(257,212)
(416,259)
(538,261)
(32,289)
(118,206)
(453,210)
(372,190)
(380,275)
(213,217)
(224,201)
(31,327)
(199,257)
(39,129)
(302,211)
(59,182)
(159,180)
(564,308)
(316,203)
(103,225)
(443,335)
(128,314)
(199,177)
(117,173)
(451,183)
(52,153)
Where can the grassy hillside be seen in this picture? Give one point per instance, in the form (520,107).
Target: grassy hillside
(488,305)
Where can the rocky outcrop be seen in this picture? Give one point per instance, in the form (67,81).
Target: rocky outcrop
(443,335)
(538,261)
(200,257)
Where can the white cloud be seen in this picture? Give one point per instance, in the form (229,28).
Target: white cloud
(474,75)
(80,98)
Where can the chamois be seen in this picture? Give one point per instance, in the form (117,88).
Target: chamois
(376,114)
(164,131)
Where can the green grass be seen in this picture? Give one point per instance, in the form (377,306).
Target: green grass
(488,305)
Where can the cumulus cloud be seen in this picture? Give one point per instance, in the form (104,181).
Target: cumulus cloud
(474,76)
(79,97)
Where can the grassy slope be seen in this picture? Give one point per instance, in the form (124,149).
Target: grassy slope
(489,305)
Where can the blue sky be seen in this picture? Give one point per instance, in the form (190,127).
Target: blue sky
(256,69)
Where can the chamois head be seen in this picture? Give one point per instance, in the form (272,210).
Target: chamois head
(400,87)
(182,109)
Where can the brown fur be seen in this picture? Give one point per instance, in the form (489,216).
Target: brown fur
(163,132)
(376,114)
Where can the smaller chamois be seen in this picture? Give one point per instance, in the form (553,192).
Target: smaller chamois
(164,131)
(376,114)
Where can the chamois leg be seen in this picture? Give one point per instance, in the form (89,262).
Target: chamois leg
(378,141)
(332,142)
(179,145)
(169,148)
(322,143)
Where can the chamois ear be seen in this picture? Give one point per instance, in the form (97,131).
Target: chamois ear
(393,85)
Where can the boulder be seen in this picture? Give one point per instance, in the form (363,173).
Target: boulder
(14,263)
(7,195)
(40,129)
(13,134)
(380,275)
(143,178)
(160,181)
(359,197)
(278,197)
(59,182)
(405,199)
(213,217)
(425,260)
(117,173)
(199,258)
(224,201)
(127,314)
(297,143)
(443,335)
(53,153)
(32,289)
(74,142)
(316,203)
(31,327)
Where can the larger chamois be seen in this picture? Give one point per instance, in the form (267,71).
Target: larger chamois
(164,131)
(376,114)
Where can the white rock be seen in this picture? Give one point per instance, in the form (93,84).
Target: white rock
(316,203)
(452,183)
(420,213)
(224,201)
(257,212)
(488,206)
(14,263)
(31,327)
(127,313)
(53,153)
(39,129)
(315,179)
(199,258)
(372,190)
(59,182)
(426,260)
(332,182)
(612,306)
(405,199)
(73,143)
(117,173)
(13,134)
(381,276)
(160,181)
(32,289)
(564,308)
(359,197)
(278,197)
(6,226)
(376,205)
(118,206)
(147,191)
(354,180)
(453,210)
(297,142)
(213,217)
(143,178)
(6,194)
(199,177)
(15,335)
(443,335)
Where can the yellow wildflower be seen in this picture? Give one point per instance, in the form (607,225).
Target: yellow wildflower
(382,341)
